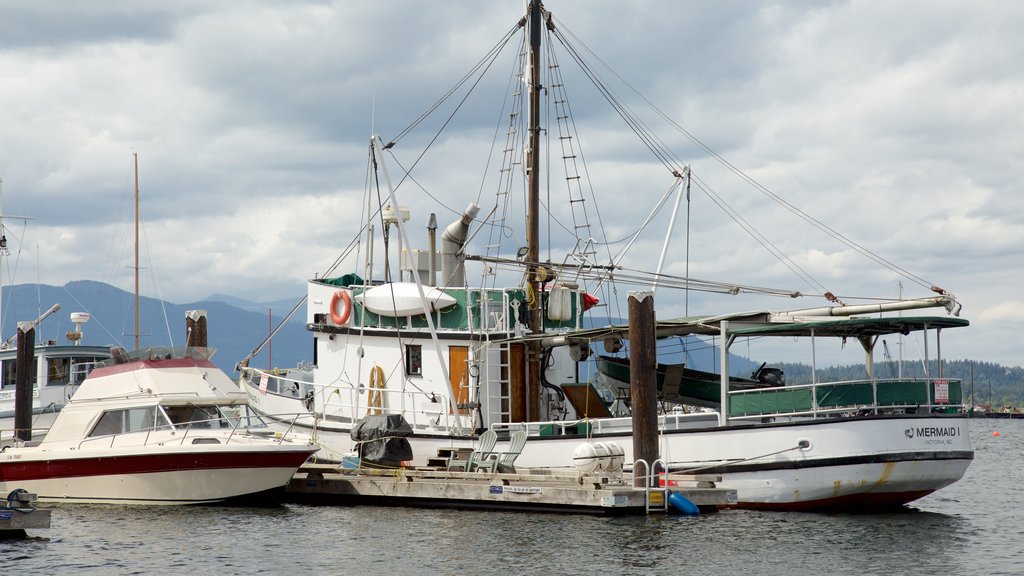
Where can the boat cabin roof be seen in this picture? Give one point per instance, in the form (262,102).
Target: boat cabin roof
(768,324)
(851,327)
(166,373)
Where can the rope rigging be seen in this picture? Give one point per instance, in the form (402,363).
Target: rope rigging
(831,232)
(560,115)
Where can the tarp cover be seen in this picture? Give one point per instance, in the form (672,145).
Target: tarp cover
(345,280)
(381,439)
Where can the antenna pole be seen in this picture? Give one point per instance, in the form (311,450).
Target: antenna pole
(135,156)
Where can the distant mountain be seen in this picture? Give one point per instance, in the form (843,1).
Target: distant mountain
(279,307)
(235,325)
(234,331)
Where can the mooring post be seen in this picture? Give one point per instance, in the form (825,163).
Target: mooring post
(25,368)
(195,328)
(643,360)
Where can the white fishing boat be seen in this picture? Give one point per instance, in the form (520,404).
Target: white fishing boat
(159,426)
(515,358)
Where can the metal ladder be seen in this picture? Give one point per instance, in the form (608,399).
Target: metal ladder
(585,251)
(655,495)
(501,372)
(511,162)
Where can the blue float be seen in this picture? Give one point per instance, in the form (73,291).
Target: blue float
(682,505)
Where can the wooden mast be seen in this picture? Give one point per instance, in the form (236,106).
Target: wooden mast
(533,213)
(135,155)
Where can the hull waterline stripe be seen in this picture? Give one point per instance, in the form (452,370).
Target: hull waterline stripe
(22,470)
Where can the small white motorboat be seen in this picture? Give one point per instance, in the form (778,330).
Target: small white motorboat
(159,426)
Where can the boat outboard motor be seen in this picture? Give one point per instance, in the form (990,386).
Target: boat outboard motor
(769,377)
(381,440)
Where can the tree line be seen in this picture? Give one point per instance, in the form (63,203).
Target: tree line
(986,383)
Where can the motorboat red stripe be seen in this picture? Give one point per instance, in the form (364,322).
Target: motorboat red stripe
(19,471)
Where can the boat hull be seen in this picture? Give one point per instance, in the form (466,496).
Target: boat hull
(859,486)
(854,462)
(164,478)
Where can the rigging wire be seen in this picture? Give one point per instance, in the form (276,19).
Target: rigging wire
(482,66)
(483,63)
(836,235)
(765,243)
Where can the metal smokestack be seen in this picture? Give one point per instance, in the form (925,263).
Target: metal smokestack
(453,270)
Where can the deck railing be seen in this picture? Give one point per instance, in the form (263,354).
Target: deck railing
(854,396)
(347,404)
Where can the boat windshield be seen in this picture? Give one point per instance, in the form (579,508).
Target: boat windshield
(211,416)
(177,417)
(121,356)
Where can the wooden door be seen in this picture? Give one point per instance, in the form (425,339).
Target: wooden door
(458,373)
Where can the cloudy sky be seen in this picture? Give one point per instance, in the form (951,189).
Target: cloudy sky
(898,124)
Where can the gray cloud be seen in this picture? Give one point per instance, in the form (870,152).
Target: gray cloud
(898,124)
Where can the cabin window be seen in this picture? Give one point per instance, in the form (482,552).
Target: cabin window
(111,422)
(80,367)
(414,360)
(58,371)
(140,419)
(121,421)
(7,378)
(10,374)
(189,416)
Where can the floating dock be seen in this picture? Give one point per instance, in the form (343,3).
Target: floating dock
(20,514)
(538,490)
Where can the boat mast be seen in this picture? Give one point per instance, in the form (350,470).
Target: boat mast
(533,210)
(135,156)
(3,253)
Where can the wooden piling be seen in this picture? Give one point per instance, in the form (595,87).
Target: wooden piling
(643,360)
(195,328)
(25,367)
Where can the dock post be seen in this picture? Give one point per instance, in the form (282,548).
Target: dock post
(25,367)
(643,359)
(195,328)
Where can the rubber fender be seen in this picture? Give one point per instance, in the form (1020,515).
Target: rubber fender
(682,505)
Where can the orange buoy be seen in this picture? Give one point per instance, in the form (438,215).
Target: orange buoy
(996,433)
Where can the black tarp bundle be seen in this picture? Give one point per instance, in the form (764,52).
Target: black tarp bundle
(381,440)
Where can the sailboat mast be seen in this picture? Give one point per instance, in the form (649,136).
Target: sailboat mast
(3,253)
(533,153)
(533,209)
(135,155)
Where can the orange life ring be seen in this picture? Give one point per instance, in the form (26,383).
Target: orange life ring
(342,317)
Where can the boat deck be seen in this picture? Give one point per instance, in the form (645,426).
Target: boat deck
(526,490)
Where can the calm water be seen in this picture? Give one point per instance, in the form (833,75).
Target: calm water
(973,527)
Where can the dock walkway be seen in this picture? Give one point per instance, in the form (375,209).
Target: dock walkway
(538,490)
